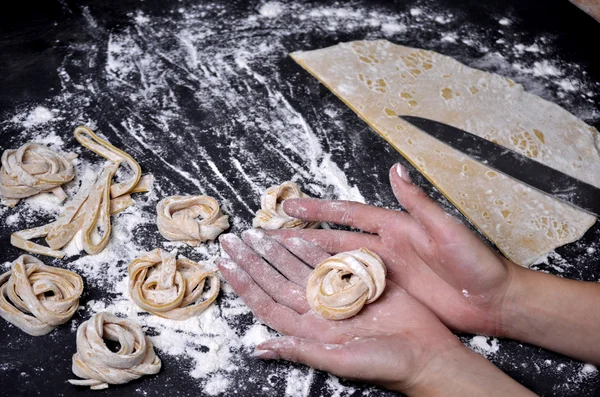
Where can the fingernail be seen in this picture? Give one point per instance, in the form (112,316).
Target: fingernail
(256,233)
(228,264)
(403,173)
(264,354)
(224,237)
(297,209)
(280,342)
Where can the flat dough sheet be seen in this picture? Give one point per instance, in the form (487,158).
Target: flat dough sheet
(380,80)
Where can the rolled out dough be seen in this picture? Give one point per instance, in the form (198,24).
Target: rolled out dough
(380,80)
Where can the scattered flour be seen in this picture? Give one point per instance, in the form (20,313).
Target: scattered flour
(298,382)
(270,9)
(216,385)
(39,115)
(589,369)
(449,37)
(545,68)
(484,345)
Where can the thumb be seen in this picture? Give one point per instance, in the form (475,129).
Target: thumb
(427,212)
(321,356)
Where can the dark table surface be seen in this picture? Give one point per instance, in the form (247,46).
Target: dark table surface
(185,112)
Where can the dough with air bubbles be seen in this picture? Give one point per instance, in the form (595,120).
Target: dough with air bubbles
(380,80)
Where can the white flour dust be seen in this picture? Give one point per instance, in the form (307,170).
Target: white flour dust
(137,64)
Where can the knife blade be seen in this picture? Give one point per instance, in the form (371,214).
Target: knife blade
(513,164)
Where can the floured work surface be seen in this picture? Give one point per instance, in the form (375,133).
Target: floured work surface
(380,80)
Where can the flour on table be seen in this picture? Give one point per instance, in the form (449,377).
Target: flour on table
(38,115)
(270,9)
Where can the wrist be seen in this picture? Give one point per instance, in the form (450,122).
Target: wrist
(518,302)
(436,372)
(461,372)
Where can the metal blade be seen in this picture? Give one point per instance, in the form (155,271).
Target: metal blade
(515,165)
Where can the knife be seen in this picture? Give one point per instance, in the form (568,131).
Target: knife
(515,165)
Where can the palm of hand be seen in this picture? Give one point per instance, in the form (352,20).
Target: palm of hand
(396,328)
(428,253)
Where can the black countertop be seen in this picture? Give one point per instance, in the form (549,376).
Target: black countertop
(205,98)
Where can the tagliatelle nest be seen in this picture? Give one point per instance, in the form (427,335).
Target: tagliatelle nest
(341,285)
(99,366)
(38,298)
(177,219)
(169,287)
(34,169)
(271,216)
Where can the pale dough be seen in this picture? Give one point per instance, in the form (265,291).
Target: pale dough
(341,285)
(169,287)
(99,366)
(91,208)
(37,298)
(271,216)
(176,218)
(33,169)
(380,80)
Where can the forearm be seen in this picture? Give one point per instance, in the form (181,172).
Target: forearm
(592,7)
(465,374)
(555,313)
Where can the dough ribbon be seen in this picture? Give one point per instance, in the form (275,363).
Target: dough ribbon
(38,298)
(169,287)
(341,285)
(271,216)
(33,169)
(177,219)
(99,366)
(90,210)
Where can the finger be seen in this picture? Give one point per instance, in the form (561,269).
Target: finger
(326,357)
(270,280)
(365,217)
(426,211)
(290,266)
(333,241)
(307,251)
(275,315)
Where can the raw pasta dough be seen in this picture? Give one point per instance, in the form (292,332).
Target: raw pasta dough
(38,298)
(98,366)
(33,169)
(380,80)
(176,218)
(341,285)
(271,216)
(169,287)
(91,208)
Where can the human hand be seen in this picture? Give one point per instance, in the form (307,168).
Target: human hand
(394,342)
(428,253)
